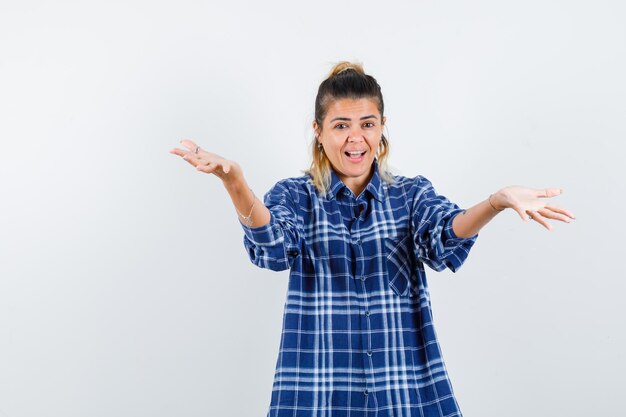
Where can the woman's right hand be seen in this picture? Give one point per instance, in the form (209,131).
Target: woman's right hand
(231,174)
(228,171)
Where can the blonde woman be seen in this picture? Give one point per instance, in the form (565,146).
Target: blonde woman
(358,336)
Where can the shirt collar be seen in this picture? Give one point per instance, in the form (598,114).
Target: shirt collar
(374,187)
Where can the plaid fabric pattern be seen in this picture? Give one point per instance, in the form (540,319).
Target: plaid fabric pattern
(358,336)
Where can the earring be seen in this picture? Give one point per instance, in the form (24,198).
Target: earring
(319,145)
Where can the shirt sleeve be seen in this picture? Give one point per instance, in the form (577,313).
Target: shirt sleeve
(435,241)
(275,245)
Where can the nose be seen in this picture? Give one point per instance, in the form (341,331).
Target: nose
(355,135)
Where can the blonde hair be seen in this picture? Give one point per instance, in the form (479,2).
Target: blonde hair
(345,80)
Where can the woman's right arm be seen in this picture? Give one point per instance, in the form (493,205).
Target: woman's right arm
(232,178)
(272,238)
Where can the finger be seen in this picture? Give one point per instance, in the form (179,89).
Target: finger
(540,219)
(178,151)
(192,158)
(191,162)
(220,162)
(207,168)
(549,192)
(212,168)
(205,155)
(226,167)
(521,212)
(189,144)
(561,210)
(553,215)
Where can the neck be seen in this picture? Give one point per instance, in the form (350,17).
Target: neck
(357,185)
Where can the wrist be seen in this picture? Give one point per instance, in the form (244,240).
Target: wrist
(493,202)
(236,186)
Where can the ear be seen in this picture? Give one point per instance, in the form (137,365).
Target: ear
(384,121)
(316,129)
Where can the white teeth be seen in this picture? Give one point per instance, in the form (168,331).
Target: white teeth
(356,152)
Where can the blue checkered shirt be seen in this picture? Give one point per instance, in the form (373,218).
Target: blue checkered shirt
(358,336)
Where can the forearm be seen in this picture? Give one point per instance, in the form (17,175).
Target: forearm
(469,222)
(243,199)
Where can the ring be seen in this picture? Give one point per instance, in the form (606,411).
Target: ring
(197,149)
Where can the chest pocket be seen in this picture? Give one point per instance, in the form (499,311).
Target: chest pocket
(400,264)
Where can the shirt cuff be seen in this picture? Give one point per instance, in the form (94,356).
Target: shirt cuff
(268,234)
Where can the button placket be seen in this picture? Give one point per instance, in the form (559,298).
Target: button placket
(359,208)
(366,337)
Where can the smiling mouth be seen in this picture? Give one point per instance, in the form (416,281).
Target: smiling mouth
(355,154)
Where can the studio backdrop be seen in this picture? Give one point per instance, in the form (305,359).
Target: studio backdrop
(125,288)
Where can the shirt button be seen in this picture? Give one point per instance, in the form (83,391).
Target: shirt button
(363,278)
(365,391)
(367,313)
(358,242)
(369,353)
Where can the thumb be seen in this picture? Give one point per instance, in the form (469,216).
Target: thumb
(522,213)
(550,192)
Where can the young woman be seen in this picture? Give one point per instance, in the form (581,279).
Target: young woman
(358,336)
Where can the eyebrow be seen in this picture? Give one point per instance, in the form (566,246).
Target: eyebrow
(347,119)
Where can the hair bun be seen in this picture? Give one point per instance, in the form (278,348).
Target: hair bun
(345,65)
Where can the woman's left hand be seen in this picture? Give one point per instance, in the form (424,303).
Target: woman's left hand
(531,203)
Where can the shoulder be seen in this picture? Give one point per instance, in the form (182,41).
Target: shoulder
(294,182)
(411,192)
(409,185)
(294,188)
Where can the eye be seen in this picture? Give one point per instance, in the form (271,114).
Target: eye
(368,124)
(341,126)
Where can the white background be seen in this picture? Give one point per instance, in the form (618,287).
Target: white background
(125,289)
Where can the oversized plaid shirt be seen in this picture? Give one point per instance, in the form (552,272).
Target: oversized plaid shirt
(358,336)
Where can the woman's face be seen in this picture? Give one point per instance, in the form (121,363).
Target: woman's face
(350,136)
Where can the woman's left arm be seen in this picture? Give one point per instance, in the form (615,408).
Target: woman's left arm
(529,203)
